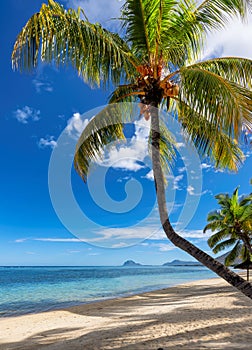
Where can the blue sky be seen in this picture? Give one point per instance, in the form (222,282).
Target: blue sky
(41,108)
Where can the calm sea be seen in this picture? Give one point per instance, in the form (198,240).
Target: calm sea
(26,290)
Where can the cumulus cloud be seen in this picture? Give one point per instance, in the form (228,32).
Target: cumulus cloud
(75,125)
(176,181)
(149,176)
(206,166)
(47,142)
(234,40)
(160,235)
(190,190)
(123,234)
(132,154)
(101,11)
(41,85)
(25,114)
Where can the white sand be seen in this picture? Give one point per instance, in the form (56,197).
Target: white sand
(201,315)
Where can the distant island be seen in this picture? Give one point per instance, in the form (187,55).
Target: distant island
(182,263)
(171,263)
(131,263)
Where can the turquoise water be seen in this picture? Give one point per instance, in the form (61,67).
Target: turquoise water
(31,289)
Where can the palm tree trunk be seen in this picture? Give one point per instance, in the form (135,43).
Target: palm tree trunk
(221,270)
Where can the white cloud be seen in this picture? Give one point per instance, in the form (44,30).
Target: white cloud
(160,235)
(165,247)
(41,85)
(21,240)
(182,169)
(67,240)
(206,166)
(47,142)
(149,176)
(234,40)
(101,11)
(151,235)
(75,125)
(162,247)
(176,180)
(119,245)
(130,154)
(124,233)
(190,190)
(26,114)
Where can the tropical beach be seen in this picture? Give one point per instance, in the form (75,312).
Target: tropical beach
(139,171)
(206,314)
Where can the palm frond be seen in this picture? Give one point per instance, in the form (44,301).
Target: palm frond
(227,105)
(217,237)
(209,140)
(214,14)
(124,93)
(182,34)
(235,252)
(135,17)
(234,69)
(104,128)
(62,37)
(213,225)
(246,214)
(246,200)
(224,245)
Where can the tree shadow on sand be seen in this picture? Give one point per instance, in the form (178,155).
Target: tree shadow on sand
(218,328)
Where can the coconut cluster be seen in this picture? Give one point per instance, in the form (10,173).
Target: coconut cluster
(152,87)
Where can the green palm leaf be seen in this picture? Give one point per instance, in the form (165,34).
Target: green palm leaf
(223,103)
(104,128)
(224,245)
(209,140)
(217,237)
(215,13)
(235,252)
(96,54)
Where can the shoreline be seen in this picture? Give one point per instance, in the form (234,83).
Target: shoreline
(197,315)
(55,301)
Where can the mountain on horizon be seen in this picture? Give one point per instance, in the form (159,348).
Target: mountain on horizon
(131,263)
(182,263)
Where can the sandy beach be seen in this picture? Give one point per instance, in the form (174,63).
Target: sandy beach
(205,314)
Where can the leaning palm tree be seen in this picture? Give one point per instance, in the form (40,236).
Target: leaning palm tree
(232,227)
(154,61)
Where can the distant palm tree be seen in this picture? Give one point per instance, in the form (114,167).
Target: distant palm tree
(156,57)
(233,223)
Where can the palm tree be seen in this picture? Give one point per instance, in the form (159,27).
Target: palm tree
(156,58)
(233,223)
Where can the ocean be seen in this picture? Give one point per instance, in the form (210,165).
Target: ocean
(25,290)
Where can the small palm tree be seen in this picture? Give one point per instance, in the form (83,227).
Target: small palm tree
(233,223)
(157,60)
(233,220)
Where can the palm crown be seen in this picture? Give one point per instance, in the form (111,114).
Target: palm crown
(156,59)
(232,225)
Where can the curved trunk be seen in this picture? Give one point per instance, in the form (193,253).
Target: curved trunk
(221,270)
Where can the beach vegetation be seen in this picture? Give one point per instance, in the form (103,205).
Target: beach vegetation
(232,227)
